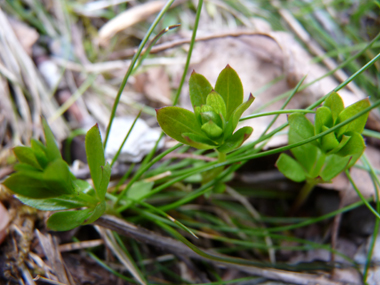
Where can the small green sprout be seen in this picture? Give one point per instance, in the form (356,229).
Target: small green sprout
(216,114)
(44,181)
(323,159)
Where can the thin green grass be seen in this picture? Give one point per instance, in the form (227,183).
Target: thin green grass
(132,65)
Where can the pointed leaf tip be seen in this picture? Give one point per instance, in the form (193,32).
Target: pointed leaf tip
(95,155)
(229,86)
(199,88)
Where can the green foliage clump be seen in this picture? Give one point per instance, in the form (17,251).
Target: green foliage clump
(323,159)
(216,114)
(44,181)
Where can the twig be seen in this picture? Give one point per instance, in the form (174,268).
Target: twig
(161,47)
(143,235)
(49,245)
(79,245)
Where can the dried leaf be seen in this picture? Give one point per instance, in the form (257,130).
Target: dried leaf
(128,18)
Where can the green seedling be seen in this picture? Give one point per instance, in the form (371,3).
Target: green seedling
(216,115)
(44,181)
(322,160)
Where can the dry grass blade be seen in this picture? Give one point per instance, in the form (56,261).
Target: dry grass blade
(111,243)
(6,107)
(48,281)
(26,274)
(80,245)
(25,71)
(50,247)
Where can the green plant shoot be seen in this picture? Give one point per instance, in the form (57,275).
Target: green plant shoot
(44,181)
(323,159)
(216,114)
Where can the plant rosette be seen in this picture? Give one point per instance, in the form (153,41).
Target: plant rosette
(44,181)
(216,114)
(323,159)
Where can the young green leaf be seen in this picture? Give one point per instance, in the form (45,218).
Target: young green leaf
(334,164)
(52,150)
(229,86)
(176,121)
(199,142)
(240,110)
(24,167)
(197,113)
(217,103)
(26,155)
(96,213)
(58,177)
(211,116)
(63,202)
(329,141)
(317,165)
(236,140)
(212,130)
(95,156)
(300,128)
(39,152)
(354,148)
(342,143)
(358,124)
(199,89)
(64,221)
(290,168)
(307,155)
(106,175)
(82,186)
(30,184)
(335,103)
(323,118)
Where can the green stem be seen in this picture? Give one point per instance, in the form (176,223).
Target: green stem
(361,195)
(88,200)
(376,183)
(125,139)
(197,17)
(132,65)
(302,196)
(142,171)
(211,174)
(222,156)
(275,113)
